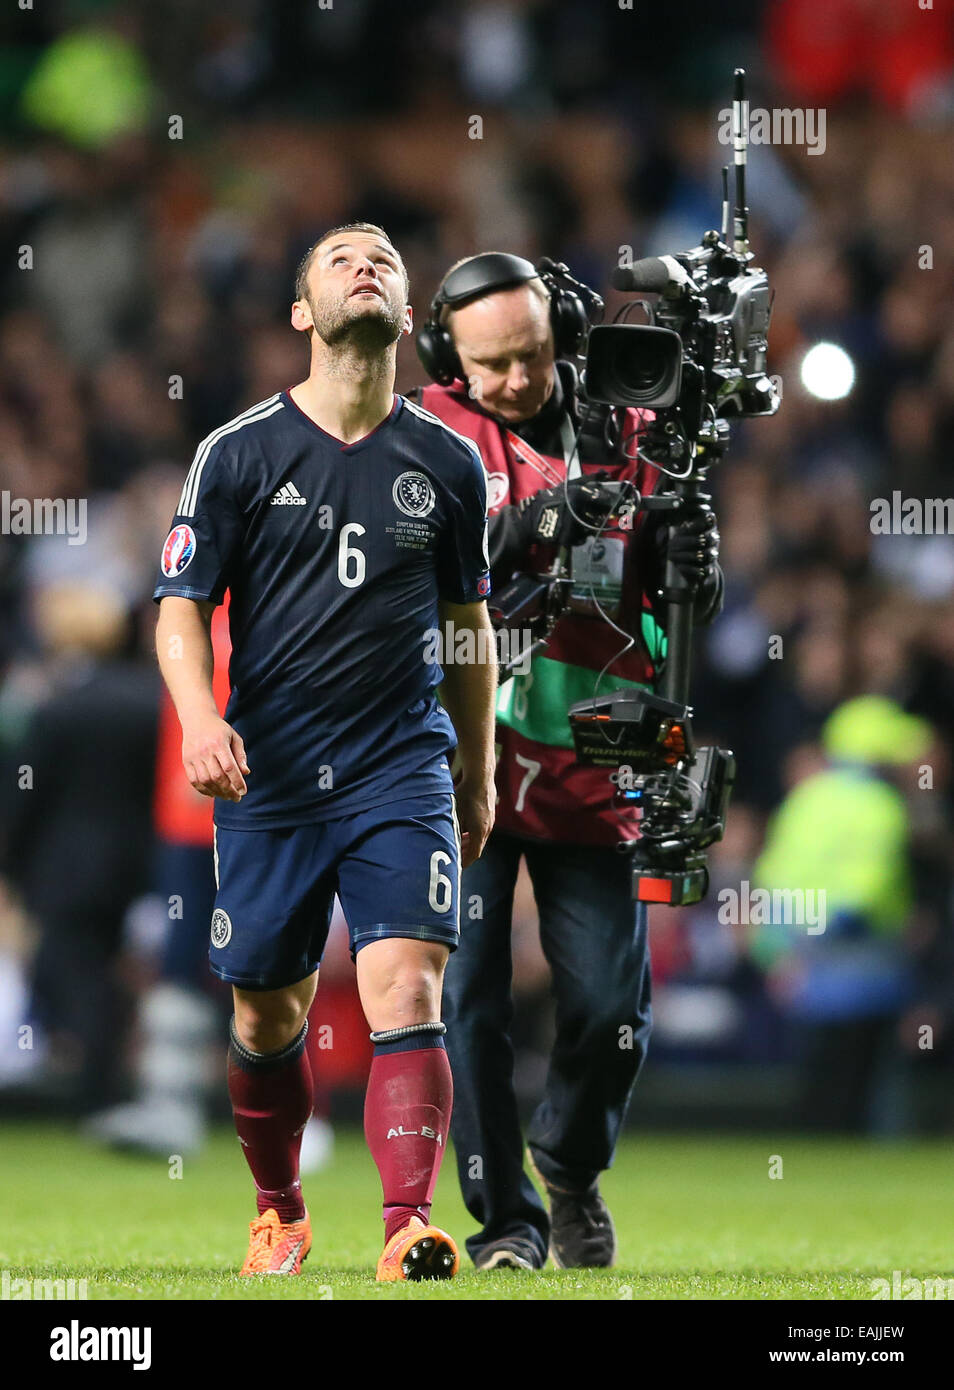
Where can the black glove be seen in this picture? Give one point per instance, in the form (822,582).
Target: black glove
(547,518)
(693,544)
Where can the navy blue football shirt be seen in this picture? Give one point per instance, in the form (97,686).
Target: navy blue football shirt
(335,556)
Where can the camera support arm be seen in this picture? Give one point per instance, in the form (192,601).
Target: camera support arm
(677,595)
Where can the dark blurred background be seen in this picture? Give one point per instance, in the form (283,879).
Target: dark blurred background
(163,166)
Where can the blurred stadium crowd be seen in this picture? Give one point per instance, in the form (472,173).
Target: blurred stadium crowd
(162,168)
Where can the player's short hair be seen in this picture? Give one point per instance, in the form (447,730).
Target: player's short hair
(304,265)
(446,315)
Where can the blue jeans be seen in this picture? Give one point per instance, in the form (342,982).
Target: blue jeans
(595,939)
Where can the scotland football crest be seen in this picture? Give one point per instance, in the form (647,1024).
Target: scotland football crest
(221,928)
(413,494)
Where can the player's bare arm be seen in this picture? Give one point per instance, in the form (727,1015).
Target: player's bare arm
(213,753)
(469,693)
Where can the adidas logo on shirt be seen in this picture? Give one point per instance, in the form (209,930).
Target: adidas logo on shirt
(288,496)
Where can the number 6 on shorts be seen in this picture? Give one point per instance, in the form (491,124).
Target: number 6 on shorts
(440,892)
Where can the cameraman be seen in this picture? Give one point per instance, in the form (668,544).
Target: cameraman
(493,342)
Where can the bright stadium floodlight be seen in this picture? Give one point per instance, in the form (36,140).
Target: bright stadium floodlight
(827,372)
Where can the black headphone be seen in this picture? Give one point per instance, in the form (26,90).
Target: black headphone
(573,307)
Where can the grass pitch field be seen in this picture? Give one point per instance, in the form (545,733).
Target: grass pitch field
(697,1218)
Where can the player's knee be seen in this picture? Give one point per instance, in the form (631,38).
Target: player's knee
(415,989)
(267,1025)
(412,994)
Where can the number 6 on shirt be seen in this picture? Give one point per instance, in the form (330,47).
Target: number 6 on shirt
(348,553)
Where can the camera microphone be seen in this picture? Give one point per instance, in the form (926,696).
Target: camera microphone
(654,275)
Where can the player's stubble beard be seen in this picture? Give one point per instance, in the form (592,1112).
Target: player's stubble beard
(358,342)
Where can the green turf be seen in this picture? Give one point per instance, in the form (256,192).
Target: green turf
(697,1217)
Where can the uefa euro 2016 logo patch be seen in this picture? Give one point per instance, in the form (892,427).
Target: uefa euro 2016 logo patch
(178,550)
(221,928)
(413,494)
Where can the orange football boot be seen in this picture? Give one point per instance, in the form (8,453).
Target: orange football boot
(418,1251)
(274,1248)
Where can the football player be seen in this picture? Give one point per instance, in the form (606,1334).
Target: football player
(347,524)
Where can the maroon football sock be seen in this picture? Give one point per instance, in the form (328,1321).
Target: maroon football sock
(407,1112)
(272,1095)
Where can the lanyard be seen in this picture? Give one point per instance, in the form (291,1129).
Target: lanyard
(568,441)
(525,453)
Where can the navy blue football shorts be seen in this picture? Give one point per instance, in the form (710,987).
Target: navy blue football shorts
(395,868)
